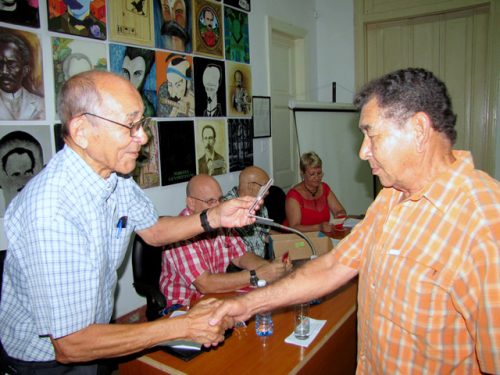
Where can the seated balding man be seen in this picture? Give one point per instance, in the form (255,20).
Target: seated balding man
(195,267)
(254,236)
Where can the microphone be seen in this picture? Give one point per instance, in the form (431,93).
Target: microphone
(271,223)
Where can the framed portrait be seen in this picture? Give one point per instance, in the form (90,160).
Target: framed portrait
(138,66)
(132,22)
(239,89)
(262,116)
(174,84)
(208,29)
(24,151)
(210,87)
(20,12)
(86,18)
(240,134)
(22,95)
(173,25)
(211,147)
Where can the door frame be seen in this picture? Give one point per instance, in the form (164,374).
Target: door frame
(364,15)
(302,57)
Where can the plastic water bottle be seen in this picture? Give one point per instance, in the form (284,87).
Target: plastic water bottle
(264,321)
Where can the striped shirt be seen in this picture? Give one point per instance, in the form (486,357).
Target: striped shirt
(429,276)
(63,253)
(184,262)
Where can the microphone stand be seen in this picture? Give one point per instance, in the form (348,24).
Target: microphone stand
(271,223)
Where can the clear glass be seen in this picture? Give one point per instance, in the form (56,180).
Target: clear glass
(302,323)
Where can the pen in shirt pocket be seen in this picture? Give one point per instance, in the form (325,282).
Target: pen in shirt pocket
(122,224)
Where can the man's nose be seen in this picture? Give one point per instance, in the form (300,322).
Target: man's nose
(140,136)
(365,149)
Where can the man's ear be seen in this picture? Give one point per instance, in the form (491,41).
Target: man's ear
(190,203)
(422,127)
(78,131)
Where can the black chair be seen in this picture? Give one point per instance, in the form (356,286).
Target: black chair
(275,204)
(146,267)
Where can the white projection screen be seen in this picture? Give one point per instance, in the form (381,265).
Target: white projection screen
(331,130)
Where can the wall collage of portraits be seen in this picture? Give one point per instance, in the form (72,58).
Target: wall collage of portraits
(189,59)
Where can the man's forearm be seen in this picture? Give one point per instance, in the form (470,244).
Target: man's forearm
(316,278)
(113,340)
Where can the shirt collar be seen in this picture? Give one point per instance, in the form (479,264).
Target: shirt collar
(85,176)
(438,191)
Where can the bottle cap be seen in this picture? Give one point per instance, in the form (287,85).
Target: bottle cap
(261,283)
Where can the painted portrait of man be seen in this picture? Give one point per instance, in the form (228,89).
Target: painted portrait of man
(208,29)
(174,25)
(138,66)
(22,156)
(211,147)
(210,87)
(175,93)
(85,18)
(21,87)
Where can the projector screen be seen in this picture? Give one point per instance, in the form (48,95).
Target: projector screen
(331,130)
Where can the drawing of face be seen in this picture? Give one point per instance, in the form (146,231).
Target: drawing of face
(21,160)
(208,136)
(177,80)
(211,77)
(238,79)
(134,70)
(76,63)
(78,8)
(208,19)
(12,68)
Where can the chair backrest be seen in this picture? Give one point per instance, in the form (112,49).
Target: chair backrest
(275,204)
(3,254)
(146,267)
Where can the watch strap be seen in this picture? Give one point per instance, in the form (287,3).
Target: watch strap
(253,278)
(204,221)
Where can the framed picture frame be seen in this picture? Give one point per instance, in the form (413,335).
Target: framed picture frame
(261,116)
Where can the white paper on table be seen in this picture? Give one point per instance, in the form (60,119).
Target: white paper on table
(350,222)
(180,344)
(315,326)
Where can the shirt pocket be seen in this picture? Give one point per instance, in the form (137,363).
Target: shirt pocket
(413,293)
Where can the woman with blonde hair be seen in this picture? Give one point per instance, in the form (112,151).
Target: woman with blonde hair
(309,203)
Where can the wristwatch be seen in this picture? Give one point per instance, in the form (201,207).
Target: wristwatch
(253,278)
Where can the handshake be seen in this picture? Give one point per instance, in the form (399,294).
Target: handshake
(206,322)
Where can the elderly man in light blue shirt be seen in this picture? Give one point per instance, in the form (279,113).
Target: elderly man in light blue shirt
(68,232)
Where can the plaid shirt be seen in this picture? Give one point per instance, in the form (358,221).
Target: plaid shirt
(429,276)
(63,253)
(184,262)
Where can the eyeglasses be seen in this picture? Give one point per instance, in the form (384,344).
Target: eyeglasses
(256,183)
(211,201)
(133,126)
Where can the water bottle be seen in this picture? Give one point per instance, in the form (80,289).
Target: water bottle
(263,321)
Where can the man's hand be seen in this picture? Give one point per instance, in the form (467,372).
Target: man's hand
(198,328)
(231,310)
(274,270)
(232,213)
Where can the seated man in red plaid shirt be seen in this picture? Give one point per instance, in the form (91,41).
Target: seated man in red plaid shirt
(197,266)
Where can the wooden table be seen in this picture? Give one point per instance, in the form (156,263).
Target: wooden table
(332,352)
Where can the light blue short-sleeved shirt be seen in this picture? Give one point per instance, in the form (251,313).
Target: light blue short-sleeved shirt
(64,249)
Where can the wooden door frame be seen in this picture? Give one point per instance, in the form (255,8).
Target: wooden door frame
(302,55)
(364,16)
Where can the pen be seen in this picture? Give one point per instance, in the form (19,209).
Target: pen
(119,226)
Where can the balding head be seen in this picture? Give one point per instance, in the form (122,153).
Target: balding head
(202,191)
(251,180)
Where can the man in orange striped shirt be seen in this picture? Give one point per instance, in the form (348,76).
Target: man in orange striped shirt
(428,251)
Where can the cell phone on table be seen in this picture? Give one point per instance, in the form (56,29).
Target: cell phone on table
(262,191)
